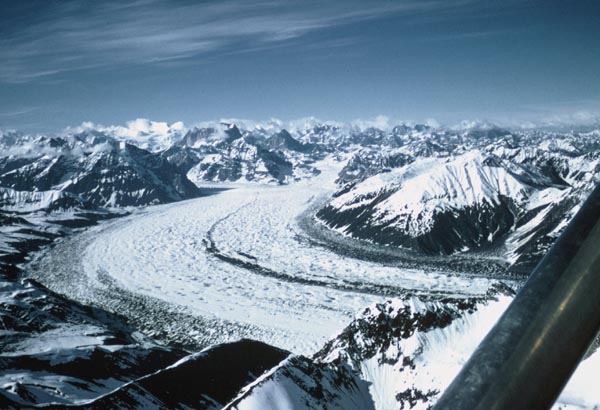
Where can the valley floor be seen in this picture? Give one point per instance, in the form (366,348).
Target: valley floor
(235,264)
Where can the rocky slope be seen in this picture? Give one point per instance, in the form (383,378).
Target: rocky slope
(56,351)
(398,354)
(89,169)
(204,380)
(477,192)
(502,194)
(226,154)
(392,356)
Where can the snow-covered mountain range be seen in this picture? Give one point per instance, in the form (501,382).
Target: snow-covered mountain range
(243,157)
(485,190)
(492,192)
(88,169)
(399,354)
(476,192)
(73,356)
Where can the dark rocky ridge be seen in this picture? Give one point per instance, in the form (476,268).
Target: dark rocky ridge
(98,170)
(206,380)
(104,171)
(539,161)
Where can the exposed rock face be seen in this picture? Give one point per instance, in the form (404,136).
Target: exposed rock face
(242,161)
(488,192)
(205,380)
(231,155)
(58,351)
(392,356)
(442,193)
(90,170)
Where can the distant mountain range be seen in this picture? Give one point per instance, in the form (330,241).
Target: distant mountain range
(432,190)
(476,191)
(495,192)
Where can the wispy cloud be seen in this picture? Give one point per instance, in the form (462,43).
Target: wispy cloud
(566,113)
(18,112)
(481,34)
(582,118)
(81,35)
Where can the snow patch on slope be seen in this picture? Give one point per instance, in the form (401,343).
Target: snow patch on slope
(153,136)
(28,201)
(430,186)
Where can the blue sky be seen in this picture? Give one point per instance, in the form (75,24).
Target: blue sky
(512,62)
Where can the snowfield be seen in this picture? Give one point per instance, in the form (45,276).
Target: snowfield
(381,284)
(237,259)
(409,370)
(432,185)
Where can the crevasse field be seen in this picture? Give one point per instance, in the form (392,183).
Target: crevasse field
(237,258)
(238,264)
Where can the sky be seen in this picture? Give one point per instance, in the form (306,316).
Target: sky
(509,62)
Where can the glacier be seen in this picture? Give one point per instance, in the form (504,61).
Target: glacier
(282,290)
(149,242)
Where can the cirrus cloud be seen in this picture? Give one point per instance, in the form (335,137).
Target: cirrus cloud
(81,35)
